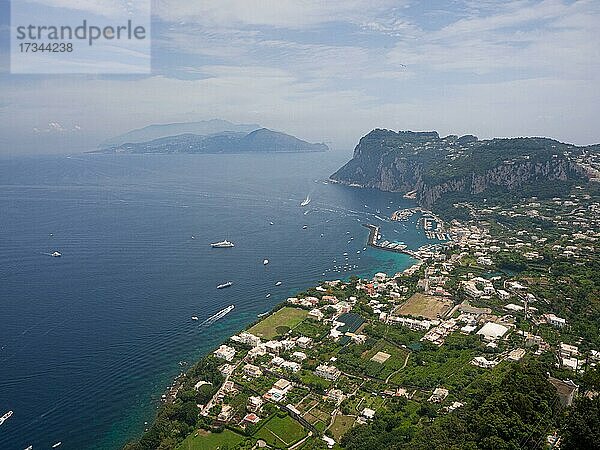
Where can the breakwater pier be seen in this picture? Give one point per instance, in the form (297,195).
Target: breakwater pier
(373,241)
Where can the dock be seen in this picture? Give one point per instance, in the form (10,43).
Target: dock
(374,238)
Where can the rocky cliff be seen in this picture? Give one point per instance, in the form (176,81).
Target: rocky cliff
(435,166)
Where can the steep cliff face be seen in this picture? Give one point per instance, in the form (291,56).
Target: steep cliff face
(434,166)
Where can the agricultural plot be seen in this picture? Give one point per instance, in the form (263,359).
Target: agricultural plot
(364,400)
(341,425)
(318,414)
(429,369)
(383,359)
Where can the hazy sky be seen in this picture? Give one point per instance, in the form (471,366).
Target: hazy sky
(330,71)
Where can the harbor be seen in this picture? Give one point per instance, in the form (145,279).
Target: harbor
(373,241)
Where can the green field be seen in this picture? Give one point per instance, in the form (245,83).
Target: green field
(428,306)
(278,323)
(210,441)
(280,432)
(340,425)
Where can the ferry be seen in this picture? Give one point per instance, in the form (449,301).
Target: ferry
(56,254)
(306,201)
(225,285)
(222,244)
(5,417)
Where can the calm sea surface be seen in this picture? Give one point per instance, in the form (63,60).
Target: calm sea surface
(90,341)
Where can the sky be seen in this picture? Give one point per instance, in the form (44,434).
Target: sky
(327,71)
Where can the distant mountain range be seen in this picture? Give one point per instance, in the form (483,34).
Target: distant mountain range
(224,141)
(452,168)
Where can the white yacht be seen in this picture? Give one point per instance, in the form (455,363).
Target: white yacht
(306,201)
(265,262)
(278,283)
(222,244)
(194,318)
(5,417)
(225,285)
(56,254)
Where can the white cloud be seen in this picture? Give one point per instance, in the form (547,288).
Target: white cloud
(498,69)
(550,37)
(273,13)
(105,8)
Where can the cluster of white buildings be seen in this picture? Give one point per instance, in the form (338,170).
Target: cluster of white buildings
(478,287)
(438,334)
(413,324)
(225,352)
(328,372)
(306,302)
(555,321)
(246,338)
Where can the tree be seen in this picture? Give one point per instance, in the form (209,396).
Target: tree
(582,429)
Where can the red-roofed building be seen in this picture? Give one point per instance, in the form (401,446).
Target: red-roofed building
(251,418)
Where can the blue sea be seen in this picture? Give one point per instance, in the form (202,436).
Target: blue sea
(91,340)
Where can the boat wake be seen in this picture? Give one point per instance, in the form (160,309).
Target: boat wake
(212,319)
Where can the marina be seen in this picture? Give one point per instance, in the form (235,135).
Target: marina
(374,237)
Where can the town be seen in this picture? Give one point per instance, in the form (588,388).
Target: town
(500,292)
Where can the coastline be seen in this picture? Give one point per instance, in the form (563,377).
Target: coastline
(418,258)
(166,396)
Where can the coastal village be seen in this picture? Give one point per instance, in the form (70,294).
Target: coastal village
(338,355)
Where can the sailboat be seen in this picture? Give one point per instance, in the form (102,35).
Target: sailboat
(306,201)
